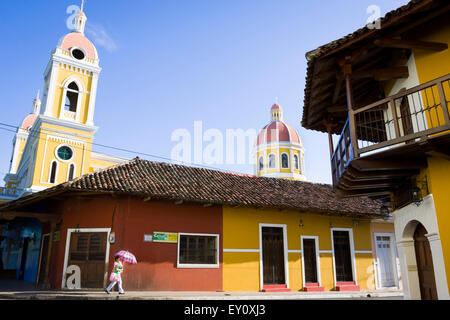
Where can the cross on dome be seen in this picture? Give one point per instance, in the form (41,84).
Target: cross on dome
(80,20)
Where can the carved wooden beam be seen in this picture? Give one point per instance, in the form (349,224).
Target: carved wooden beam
(337,109)
(43,217)
(370,165)
(382,74)
(411,44)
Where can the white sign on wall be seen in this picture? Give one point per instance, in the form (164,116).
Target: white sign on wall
(74,280)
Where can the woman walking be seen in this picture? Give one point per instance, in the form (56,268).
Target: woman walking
(116,276)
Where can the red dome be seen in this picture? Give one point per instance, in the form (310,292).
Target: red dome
(28,122)
(76,39)
(278,131)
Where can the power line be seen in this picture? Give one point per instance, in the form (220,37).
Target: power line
(33,134)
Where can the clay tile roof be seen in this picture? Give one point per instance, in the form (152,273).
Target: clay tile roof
(199,185)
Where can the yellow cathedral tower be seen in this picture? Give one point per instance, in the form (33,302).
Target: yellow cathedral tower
(54,142)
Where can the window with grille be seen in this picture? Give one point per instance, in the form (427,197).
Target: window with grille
(261,163)
(198,251)
(271,161)
(71,172)
(54,168)
(284,161)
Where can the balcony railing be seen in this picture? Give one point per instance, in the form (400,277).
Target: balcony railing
(400,119)
(343,154)
(9,192)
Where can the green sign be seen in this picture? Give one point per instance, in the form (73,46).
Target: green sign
(56,236)
(165,237)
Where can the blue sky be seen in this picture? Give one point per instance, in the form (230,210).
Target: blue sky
(168,63)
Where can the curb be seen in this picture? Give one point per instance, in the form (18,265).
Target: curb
(174,296)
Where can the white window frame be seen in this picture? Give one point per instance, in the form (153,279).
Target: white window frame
(285,253)
(65,145)
(352,253)
(302,163)
(199,265)
(80,91)
(66,254)
(81,49)
(316,239)
(296,165)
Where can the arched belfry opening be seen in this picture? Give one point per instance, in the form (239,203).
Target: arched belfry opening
(72,97)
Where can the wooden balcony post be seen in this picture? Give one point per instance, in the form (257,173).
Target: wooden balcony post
(330,139)
(443,103)
(395,117)
(351,114)
(49,254)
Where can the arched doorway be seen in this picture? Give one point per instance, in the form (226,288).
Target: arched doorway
(425,268)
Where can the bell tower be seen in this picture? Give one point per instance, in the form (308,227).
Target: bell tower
(54,142)
(58,146)
(71,77)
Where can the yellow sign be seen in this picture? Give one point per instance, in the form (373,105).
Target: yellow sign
(165,237)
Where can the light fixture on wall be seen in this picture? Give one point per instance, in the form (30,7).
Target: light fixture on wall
(385,210)
(301,223)
(355,222)
(416,196)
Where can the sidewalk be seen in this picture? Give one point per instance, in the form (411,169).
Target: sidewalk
(20,290)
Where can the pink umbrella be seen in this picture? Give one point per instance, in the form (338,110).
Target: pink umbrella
(126,256)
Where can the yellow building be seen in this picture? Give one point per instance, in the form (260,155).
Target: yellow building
(279,150)
(389,101)
(302,248)
(281,250)
(54,142)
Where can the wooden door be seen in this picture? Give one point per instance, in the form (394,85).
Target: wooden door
(342,256)
(273,255)
(310,260)
(88,251)
(424,264)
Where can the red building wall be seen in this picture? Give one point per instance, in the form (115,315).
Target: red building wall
(130,220)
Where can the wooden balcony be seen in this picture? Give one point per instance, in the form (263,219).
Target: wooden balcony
(385,142)
(7,194)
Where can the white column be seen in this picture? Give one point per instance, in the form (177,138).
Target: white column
(51,90)
(440,275)
(93,94)
(408,266)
